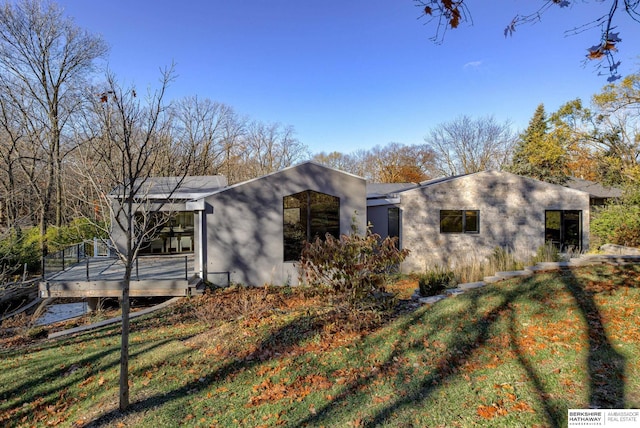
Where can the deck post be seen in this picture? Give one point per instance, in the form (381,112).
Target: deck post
(200,207)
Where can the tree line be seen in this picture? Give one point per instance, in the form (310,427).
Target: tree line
(52,113)
(57,123)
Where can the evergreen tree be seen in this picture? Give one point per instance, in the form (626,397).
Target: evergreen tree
(538,153)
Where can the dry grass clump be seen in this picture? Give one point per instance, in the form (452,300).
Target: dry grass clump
(258,323)
(237,302)
(19,330)
(250,305)
(473,267)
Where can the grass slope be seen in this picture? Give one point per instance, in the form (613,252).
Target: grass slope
(517,353)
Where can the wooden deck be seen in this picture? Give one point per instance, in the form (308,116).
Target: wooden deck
(102,277)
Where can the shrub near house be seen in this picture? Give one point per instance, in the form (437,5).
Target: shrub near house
(354,266)
(618,222)
(436,281)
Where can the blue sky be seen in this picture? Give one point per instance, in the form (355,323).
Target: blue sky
(351,75)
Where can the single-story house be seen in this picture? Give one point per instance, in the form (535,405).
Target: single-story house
(253,232)
(464,218)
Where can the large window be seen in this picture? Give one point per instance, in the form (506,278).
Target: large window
(308,215)
(563,229)
(172,232)
(459,221)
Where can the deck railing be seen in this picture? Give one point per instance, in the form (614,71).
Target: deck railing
(60,260)
(162,275)
(72,265)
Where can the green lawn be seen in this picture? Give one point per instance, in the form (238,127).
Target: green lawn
(517,353)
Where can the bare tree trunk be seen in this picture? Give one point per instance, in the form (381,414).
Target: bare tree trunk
(125,304)
(124,343)
(59,190)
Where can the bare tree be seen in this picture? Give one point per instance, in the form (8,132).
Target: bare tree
(211,129)
(221,142)
(120,155)
(362,164)
(268,148)
(392,163)
(398,163)
(44,59)
(10,136)
(358,162)
(467,145)
(335,160)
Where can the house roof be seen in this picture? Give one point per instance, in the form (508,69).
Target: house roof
(381,190)
(444,179)
(595,190)
(266,176)
(385,190)
(189,187)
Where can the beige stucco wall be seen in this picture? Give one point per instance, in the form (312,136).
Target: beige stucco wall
(512,215)
(244,223)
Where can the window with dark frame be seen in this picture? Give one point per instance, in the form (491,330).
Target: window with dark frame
(563,229)
(393,225)
(173,232)
(308,215)
(459,221)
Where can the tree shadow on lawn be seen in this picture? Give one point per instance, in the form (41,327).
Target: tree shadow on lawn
(280,341)
(472,337)
(605,366)
(42,370)
(93,363)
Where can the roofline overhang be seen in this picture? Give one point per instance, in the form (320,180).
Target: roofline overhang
(382,201)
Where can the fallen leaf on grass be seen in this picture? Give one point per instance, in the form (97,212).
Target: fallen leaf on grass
(86,382)
(378,400)
(521,406)
(490,412)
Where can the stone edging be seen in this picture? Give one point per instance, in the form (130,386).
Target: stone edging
(583,260)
